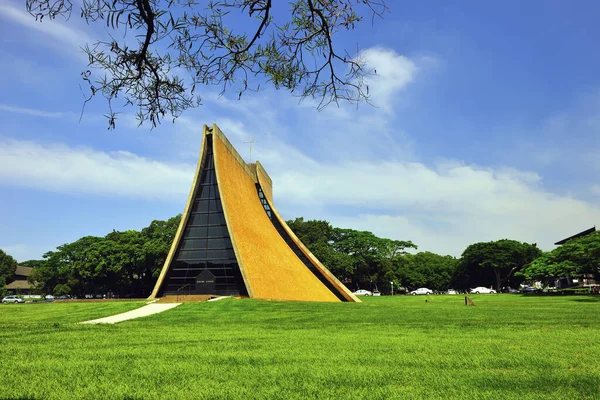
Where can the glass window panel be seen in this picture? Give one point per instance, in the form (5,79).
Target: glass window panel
(196,265)
(198,254)
(191,255)
(216,219)
(203,178)
(215,205)
(218,243)
(216,254)
(204,192)
(214,265)
(201,206)
(180,264)
(208,177)
(216,231)
(195,232)
(189,244)
(198,219)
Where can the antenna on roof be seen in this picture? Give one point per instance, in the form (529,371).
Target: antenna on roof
(250,142)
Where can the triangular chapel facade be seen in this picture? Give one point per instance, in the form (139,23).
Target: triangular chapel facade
(232,241)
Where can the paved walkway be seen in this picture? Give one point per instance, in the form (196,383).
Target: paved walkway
(219,298)
(149,309)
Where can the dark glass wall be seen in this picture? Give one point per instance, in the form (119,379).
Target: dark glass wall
(205,244)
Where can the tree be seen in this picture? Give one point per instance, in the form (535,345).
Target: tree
(126,263)
(426,269)
(317,236)
(32,263)
(352,256)
(67,266)
(158,235)
(294,50)
(371,255)
(487,263)
(574,258)
(8,265)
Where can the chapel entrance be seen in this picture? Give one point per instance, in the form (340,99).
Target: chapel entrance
(205,283)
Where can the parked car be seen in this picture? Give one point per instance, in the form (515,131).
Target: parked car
(363,292)
(376,293)
(482,289)
(422,290)
(451,291)
(508,289)
(12,299)
(529,289)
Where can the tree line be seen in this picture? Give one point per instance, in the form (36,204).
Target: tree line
(360,259)
(128,263)
(123,263)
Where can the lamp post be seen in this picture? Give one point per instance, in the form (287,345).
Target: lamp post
(392,282)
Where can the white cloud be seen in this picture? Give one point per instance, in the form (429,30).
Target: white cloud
(65,169)
(53,33)
(393,72)
(31,111)
(352,167)
(442,207)
(358,172)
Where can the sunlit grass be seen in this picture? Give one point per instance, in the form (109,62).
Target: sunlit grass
(403,347)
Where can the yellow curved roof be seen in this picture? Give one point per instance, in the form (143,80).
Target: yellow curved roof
(339,286)
(270,268)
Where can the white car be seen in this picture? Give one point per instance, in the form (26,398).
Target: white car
(422,290)
(451,291)
(363,292)
(481,289)
(12,299)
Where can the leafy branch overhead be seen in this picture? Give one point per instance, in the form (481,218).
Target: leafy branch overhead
(168,48)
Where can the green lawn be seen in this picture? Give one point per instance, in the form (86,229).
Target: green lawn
(508,346)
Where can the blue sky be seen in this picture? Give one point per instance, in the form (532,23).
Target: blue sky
(486,127)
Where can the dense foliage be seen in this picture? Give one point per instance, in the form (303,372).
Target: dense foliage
(363,260)
(124,263)
(128,263)
(427,269)
(576,257)
(495,263)
(7,270)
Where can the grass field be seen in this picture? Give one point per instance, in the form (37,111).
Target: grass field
(508,346)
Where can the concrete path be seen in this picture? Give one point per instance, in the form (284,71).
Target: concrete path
(219,298)
(149,309)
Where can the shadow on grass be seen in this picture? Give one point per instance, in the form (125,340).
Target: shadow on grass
(18,398)
(587,300)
